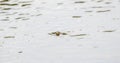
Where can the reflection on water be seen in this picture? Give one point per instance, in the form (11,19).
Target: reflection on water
(4,0)
(9,8)
(32,24)
(13,11)
(17,10)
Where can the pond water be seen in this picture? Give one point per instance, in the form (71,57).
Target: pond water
(59,31)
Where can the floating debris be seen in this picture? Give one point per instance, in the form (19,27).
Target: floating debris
(6,8)
(103,11)
(97,7)
(4,19)
(57,33)
(108,2)
(25,19)
(23,5)
(6,4)
(88,11)
(24,14)
(78,35)
(13,27)
(109,31)
(38,14)
(100,0)
(2,12)
(4,1)
(19,17)
(76,16)
(20,52)
(22,18)
(79,2)
(9,37)
(25,1)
